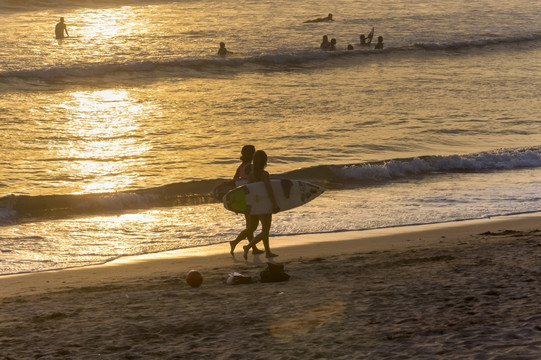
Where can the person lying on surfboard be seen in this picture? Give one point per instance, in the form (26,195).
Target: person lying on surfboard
(257,174)
(243,171)
(328,18)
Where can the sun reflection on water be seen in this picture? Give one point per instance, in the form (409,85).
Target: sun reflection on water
(103,146)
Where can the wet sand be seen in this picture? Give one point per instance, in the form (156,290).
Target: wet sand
(457,290)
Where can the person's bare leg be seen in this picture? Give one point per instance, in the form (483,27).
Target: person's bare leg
(247,233)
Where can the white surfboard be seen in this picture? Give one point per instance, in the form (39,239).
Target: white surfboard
(253,198)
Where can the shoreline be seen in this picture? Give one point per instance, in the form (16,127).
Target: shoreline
(459,290)
(288,247)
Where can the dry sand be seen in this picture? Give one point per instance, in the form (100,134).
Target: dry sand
(460,290)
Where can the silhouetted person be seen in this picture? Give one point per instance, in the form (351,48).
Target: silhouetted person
(367,40)
(243,172)
(325,44)
(379,44)
(60,29)
(257,174)
(328,18)
(333,45)
(350,47)
(223,51)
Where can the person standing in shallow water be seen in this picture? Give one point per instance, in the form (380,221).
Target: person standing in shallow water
(379,45)
(243,171)
(257,174)
(60,28)
(222,51)
(325,44)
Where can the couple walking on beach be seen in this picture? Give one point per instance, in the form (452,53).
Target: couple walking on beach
(252,169)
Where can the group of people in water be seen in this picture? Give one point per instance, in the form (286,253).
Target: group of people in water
(252,168)
(365,41)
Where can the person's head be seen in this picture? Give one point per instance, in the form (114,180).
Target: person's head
(325,38)
(350,47)
(333,41)
(222,44)
(380,39)
(61,19)
(247,153)
(329,16)
(363,39)
(260,161)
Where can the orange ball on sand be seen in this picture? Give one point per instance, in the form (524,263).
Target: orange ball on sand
(194,278)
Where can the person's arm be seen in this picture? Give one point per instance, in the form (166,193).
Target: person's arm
(266,180)
(66,28)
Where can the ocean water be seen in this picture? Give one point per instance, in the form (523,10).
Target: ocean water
(112,140)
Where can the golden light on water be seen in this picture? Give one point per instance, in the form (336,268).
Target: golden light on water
(108,23)
(103,137)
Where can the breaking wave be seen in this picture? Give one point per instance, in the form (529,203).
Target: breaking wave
(15,208)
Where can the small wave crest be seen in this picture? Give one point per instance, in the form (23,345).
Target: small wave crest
(502,159)
(25,208)
(457,45)
(261,62)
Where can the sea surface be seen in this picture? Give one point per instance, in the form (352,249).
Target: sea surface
(112,140)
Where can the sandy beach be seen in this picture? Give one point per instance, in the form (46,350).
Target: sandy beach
(458,290)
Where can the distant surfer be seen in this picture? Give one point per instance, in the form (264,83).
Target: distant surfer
(333,45)
(222,51)
(60,29)
(325,44)
(257,174)
(367,40)
(243,171)
(323,19)
(379,44)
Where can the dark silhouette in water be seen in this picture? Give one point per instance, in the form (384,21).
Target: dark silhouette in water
(328,18)
(379,45)
(325,44)
(333,45)
(367,40)
(60,29)
(223,51)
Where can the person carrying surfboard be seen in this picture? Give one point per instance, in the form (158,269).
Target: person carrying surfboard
(257,174)
(243,171)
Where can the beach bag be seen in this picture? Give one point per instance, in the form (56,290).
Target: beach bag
(274,273)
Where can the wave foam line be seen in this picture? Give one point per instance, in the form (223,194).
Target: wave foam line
(502,159)
(25,207)
(279,60)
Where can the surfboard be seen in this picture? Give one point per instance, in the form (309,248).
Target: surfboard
(225,187)
(253,198)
